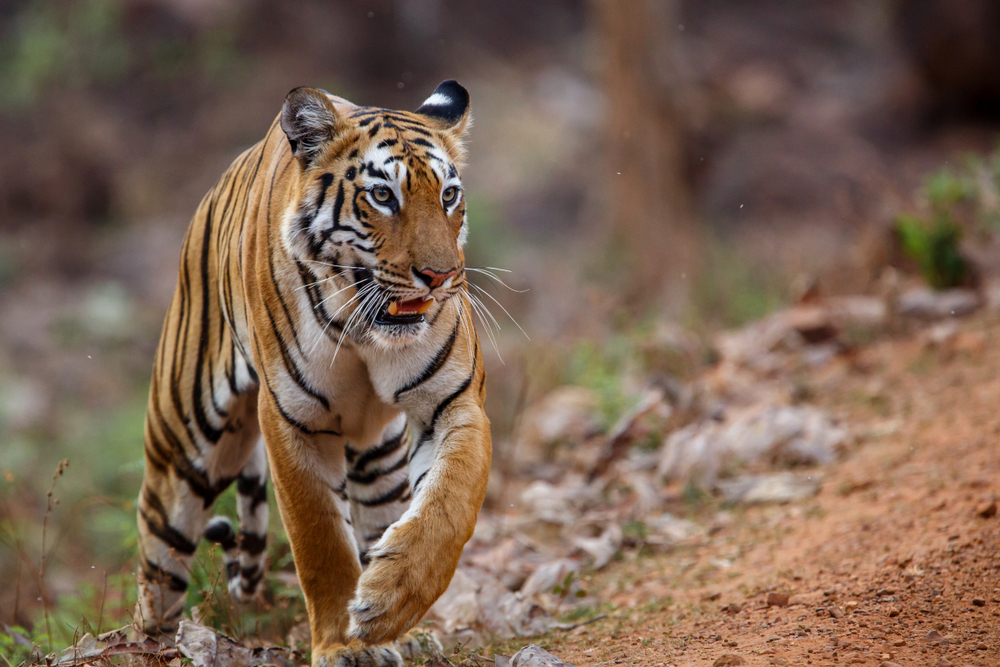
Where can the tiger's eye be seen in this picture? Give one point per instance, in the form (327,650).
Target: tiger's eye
(382,194)
(450,194)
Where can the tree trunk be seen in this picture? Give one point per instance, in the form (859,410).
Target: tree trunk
(648,202)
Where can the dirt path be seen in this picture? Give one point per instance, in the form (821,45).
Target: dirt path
(897,560)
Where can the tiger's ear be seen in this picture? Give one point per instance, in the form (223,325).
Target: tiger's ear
(309,120)
(449,106)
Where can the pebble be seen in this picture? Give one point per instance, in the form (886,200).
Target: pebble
(899,642)
(886,663)
(728,660)
(944,662)
(894,612)
(777,599)
(733,608)
(836,613)
(979,602)
(987,509)
(933,636)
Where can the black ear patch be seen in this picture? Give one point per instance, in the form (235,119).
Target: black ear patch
(309,120)
(449,103)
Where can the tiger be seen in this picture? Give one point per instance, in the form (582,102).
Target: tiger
(320,338)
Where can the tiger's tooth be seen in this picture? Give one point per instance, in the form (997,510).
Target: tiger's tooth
(393,309)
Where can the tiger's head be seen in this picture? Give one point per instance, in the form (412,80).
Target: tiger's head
(377,209)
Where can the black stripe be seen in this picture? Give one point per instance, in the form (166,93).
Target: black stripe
(383,450)
(341,491)
(221,533)
(323,318)
(156,574)
(211,433)
(197,480)
(370,477)
(439,360)
(389,496)
(292,421)
(252,543)
(416,485)
(253,488)
(377,535)
(251,577)
(290,366)
(166,533)
(429,431)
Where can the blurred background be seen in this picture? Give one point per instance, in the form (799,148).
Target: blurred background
(649,171)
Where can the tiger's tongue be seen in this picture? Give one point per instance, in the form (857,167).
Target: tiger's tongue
(411,307)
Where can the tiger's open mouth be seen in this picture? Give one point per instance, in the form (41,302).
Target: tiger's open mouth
(410,311)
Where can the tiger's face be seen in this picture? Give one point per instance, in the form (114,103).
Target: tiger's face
(380,213)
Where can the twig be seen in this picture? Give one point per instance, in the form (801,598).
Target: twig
(41,570)
(104,595)
(573,626)
(17,587)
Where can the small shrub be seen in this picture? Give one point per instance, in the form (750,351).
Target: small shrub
(934,247)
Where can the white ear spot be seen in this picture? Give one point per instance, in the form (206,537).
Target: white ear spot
(438,100)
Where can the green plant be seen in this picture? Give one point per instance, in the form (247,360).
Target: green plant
(934,247)
(945,188)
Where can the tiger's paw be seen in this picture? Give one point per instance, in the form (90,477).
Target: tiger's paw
(418,644)
(388,601)
(357,655)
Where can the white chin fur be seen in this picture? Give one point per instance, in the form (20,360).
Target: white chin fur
(396,335)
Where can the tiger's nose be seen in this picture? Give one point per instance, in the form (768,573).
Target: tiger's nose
(432,278)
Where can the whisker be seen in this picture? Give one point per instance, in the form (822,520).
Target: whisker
(336,293)
(479,302)
(333,317)
(504,309)
(496,279)
(321,281)
(486,325)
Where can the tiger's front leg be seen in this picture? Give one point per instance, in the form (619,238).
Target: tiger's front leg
(413,563)
(309,477)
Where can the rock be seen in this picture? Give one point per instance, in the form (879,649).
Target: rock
(807,599)
(728,660)
(979,602)
(933,637)
(668,530)
(562,504)
(886,663)
(566,414)
(205,648)
(197,643)
(536,656)
(925,303)
(548,576)
(733,608)
(987,509)
(836,613)
(777,599)
(603,547)
(476,600)
(771,435)
(894,612)
(775,488)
